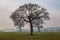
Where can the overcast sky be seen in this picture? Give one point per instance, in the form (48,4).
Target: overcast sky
(8,6)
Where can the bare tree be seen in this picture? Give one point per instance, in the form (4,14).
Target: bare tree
(18,20)
(39,28)
(29,13)
(38,23)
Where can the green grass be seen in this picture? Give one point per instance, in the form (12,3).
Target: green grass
(26,36)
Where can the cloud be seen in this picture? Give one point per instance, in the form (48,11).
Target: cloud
(54,4)
(55,19)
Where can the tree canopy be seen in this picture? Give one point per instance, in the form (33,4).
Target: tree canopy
(30,13)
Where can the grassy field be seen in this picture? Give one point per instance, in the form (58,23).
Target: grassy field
(26,36)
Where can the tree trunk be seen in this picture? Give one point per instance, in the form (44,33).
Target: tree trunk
(31,28)
(20,29)
(38,29)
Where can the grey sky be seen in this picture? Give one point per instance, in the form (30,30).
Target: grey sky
(8,6)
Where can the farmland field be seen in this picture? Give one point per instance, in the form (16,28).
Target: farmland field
(26,36)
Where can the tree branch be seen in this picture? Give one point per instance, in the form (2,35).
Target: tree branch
(26,20)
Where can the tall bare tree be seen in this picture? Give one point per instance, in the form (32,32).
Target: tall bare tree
(30,13)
